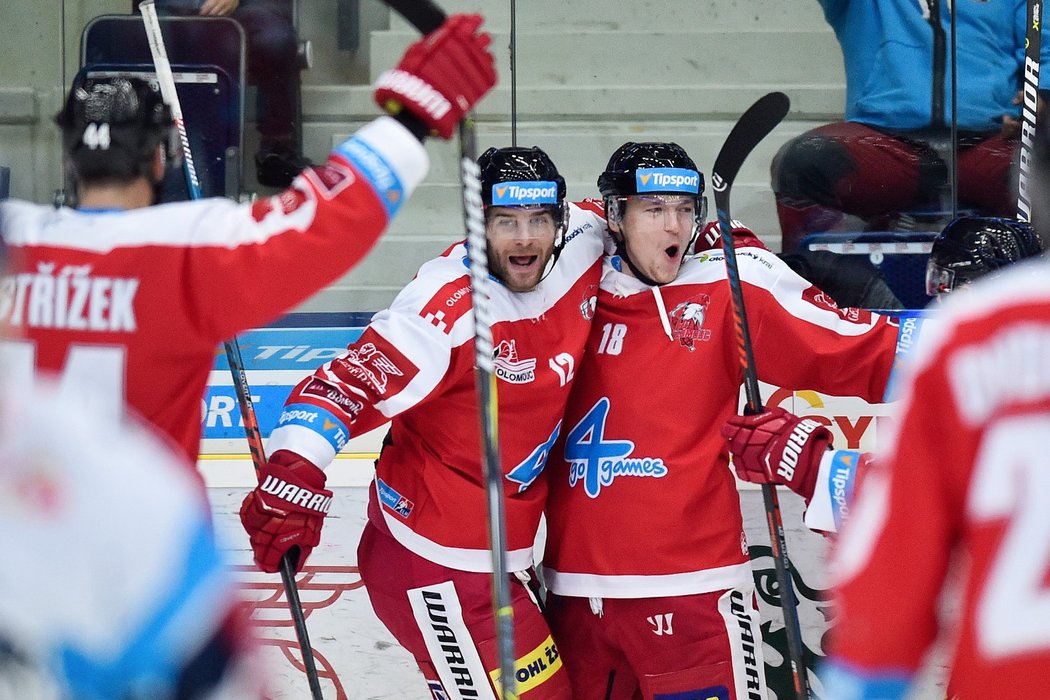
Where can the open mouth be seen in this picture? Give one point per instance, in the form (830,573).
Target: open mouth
(522,261)
(672,251)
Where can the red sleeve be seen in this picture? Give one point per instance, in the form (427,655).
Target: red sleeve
(246,264)
(882,555)
(710,237)
(803,340)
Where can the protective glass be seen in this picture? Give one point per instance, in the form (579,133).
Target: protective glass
(664,209)
(512,223)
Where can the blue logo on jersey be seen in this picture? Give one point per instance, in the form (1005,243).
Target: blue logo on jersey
(667,180)
(524,192)
(394,500)
(322,422)
(596,461)
(526,472)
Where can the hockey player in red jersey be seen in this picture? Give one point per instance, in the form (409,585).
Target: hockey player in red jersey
(424,555)
(962,476)
(132,299)
(779,448)
(90,605)
(646,559)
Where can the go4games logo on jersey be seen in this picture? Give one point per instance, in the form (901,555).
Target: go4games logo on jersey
(597,462)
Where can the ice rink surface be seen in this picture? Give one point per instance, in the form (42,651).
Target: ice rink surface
(357,658)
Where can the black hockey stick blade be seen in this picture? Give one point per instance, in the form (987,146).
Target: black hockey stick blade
(421,14)
(753,126)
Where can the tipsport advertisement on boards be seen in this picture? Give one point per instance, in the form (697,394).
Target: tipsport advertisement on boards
(275,360)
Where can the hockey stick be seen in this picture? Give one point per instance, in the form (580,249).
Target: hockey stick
(233,352)
(954,53)
(425,16)
(749,130)
(1032,46)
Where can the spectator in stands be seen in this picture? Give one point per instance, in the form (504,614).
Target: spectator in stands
(273,67)
(898,117)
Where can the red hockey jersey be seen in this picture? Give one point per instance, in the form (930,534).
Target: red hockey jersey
(967,472)
(414,366)
(135,302)
(642,500)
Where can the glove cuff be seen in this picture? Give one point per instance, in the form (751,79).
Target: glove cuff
(300,489)
(305,470)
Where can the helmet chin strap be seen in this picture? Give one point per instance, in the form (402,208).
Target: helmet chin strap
(621,250)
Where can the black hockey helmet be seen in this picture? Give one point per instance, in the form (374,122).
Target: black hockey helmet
(111,128)
(651,168)
(517,176)
(541,184)
(972,246)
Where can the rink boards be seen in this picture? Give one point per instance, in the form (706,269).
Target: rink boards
(356,657)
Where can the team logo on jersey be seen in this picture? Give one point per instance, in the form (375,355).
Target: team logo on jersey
(589,303)
(285,202)
(596,462)
(821,300)
(511,368)
(448,305)
(385,371)
(368,363)
(687,321)
(330,179)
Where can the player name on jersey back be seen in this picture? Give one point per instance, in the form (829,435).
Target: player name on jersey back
(69,297)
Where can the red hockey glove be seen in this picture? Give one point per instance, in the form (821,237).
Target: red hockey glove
(777,447)
(442,76)
(710,237)
(285,510)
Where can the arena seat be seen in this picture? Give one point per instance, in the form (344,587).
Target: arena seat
(898,256)
(207,56)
